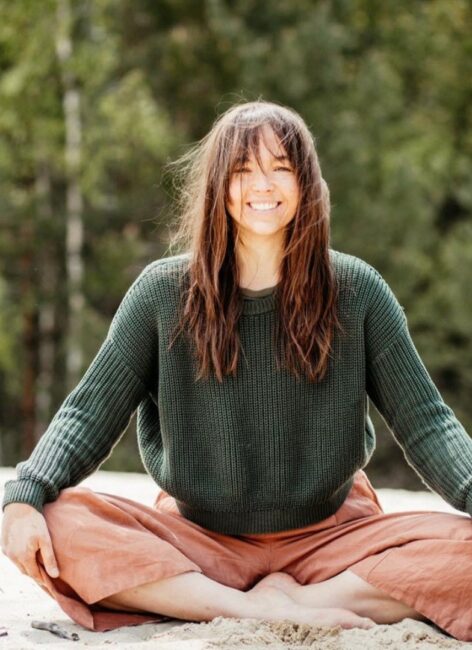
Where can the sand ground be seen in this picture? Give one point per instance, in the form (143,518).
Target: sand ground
(22,601)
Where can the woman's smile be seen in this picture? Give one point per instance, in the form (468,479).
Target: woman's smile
(264,206)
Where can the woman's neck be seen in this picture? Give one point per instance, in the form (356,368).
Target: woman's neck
(259,265)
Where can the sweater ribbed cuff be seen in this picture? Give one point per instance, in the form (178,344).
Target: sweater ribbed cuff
(25,491)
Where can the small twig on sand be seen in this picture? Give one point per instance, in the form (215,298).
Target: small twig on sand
(3,631)
(55,629)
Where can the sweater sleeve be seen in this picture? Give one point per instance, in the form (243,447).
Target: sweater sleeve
(97,412)
(433,441)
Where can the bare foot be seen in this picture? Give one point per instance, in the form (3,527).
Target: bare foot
(280,606)
(282,581)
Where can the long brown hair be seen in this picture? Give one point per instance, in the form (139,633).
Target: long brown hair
(307,292)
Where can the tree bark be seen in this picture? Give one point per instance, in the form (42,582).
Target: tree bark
(74,202)
(46,309)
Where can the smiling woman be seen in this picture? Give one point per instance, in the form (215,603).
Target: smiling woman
(263,199)
(255,204)
(253,418)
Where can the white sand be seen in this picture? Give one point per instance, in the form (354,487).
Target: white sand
(22,601)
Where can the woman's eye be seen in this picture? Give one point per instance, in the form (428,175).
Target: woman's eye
(246,170)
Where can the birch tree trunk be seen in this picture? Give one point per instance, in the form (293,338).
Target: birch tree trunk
(74,203)
(46,309)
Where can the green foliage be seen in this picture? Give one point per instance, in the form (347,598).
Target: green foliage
(9,330)
(384,87)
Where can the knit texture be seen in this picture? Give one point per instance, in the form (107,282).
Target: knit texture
(262,451)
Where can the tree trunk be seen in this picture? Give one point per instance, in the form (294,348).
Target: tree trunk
(74,203)
(46,310)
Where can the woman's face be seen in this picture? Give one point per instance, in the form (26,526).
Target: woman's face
(263,200)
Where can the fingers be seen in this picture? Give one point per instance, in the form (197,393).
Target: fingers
(28,564)
(49,559)
(28,569)
(31,569)
(34,573)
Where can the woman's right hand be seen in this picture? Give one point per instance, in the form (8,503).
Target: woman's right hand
(24,533)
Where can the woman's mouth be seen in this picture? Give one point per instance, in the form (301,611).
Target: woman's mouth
(264,206)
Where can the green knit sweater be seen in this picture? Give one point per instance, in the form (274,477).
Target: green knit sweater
(262,451)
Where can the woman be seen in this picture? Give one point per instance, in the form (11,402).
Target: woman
(250,358)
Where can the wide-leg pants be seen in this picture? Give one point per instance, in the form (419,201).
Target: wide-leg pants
(105,544)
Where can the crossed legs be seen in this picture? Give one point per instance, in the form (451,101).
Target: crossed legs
(344,600)
(346,590)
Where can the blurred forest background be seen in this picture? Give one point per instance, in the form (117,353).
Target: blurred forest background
(96,96)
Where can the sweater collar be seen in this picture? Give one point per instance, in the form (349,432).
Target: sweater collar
(260,305)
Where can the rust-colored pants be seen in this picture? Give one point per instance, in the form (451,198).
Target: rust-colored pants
(105,544)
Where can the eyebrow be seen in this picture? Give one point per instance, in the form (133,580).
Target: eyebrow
(277,158)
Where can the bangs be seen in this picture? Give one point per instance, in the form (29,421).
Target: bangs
(244,140)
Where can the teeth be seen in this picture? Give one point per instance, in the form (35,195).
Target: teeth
(263,206)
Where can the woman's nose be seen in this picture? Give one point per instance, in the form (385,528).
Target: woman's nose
(261,181)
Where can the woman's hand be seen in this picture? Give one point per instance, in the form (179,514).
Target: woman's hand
(24,533)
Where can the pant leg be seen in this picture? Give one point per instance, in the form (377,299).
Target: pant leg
(421,558)
(105,544)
